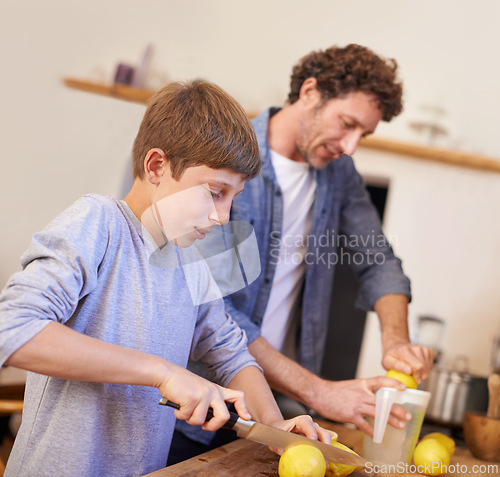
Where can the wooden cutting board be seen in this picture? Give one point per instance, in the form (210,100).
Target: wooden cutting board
(244,458)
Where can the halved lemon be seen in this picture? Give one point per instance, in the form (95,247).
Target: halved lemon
(341,470)
(406,379)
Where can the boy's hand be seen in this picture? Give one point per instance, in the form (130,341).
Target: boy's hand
(195,395)
(305,426)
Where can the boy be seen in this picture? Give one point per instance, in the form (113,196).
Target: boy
(100,324)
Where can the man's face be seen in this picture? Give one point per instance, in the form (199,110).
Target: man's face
(329,130)
(188,209)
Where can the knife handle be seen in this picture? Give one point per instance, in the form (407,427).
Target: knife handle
(229,424)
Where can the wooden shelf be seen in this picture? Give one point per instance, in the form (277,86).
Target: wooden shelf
(118,91)
(446,156)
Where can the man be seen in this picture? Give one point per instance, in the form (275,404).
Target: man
(308,198)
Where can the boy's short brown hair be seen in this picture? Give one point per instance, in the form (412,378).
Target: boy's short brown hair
(340,71)
(197,124)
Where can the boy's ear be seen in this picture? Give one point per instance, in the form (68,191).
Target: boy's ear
(155,165)
(309,93)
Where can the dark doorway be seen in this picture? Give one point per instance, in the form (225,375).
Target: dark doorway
(347,322)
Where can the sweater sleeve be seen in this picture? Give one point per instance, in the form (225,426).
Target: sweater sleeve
(59,268)
(244,321)
(220,344)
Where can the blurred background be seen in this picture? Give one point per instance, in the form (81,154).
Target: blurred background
(58,143)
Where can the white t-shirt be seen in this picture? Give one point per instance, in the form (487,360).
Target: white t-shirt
(298,187)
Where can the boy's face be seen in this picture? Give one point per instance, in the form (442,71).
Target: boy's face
(188,209)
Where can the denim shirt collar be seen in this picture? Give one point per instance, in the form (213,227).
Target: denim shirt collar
(261,125)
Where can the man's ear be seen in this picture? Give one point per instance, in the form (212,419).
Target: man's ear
(155,165)
(309,93)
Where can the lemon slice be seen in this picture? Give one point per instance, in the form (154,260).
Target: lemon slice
(335,436)
(340,470)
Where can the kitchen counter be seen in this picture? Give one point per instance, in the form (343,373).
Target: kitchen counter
(244,458)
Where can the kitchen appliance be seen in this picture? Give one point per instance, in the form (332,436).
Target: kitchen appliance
(453,392)
(429,333)
(279,439)
(389,444)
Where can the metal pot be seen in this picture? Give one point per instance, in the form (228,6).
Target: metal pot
(452,393)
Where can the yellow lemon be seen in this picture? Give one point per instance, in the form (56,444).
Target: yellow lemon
(406,379)
(447,441)
(340,470)
(302,460)
(431,457)
(335,436)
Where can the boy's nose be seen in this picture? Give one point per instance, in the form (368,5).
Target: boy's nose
(221,215)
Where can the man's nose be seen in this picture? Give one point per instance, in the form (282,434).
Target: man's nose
(349,143)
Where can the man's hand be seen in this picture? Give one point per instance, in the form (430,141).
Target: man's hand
(353,400)
(409,359)
(195,395)
(342,401)
(397,351)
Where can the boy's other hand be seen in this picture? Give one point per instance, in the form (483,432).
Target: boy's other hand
(305,426)
(195,395)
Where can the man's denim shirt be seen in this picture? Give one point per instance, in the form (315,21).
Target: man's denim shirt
(342,214)
(341,206)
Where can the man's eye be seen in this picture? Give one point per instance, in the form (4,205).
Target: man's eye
(347,124)
(215,195)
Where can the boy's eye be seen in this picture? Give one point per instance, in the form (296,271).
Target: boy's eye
(213,194)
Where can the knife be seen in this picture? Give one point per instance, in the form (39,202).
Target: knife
(273,437)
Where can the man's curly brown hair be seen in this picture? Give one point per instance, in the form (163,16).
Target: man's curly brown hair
(339,71)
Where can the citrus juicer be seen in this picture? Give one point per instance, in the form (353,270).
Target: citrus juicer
(391,445)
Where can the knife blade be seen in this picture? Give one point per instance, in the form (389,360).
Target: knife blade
(273,437)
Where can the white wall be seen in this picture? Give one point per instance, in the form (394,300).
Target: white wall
(443,222)
(57,143)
